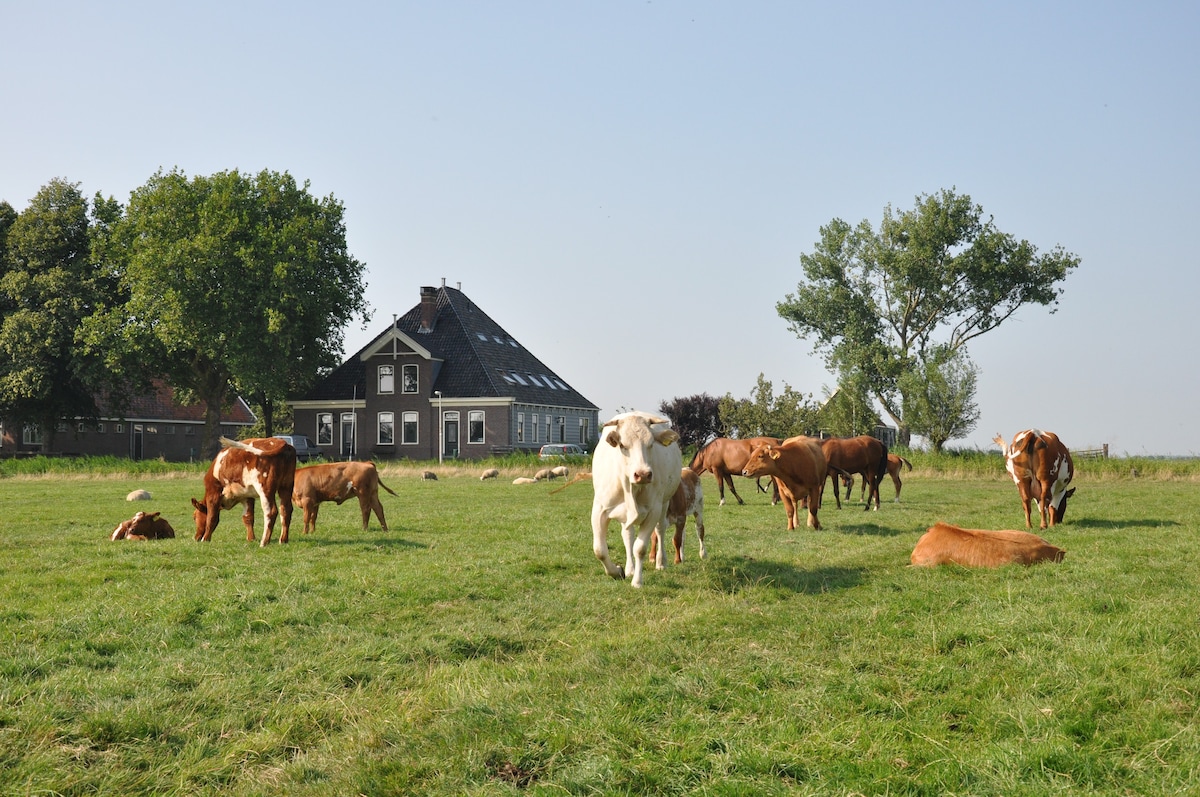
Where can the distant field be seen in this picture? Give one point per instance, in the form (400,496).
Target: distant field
(478,647)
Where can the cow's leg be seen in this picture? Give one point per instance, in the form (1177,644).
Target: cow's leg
(248,519)
(700,531)
(848,481)
(285,514)
(732,489)
(270,512)
(814,501)
(377,505)
(896,481)
(310,509)
(635,551)
(833,477)
(679,524)
(600,543)
(1026,497)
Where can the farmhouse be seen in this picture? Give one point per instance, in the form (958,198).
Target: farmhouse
(155,426)
(443,381)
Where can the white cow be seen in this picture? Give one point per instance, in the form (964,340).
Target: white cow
(635,471)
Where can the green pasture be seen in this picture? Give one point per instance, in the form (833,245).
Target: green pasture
(478,648)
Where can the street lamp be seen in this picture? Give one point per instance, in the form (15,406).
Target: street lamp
(441,446)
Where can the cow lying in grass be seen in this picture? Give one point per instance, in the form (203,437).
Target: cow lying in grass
(946,544)
(337,481)
(143,526)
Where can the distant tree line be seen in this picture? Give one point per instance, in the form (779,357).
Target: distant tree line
(224,285)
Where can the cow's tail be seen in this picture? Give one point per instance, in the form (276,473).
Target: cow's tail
(881,471)
(389,489)
(578,477)
(904,462)
(238,444)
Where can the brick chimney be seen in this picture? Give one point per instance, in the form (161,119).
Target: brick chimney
(428,309)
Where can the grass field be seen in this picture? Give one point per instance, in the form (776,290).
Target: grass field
(478,648)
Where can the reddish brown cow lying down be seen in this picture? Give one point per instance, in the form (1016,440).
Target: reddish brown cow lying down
(337,481)
(143,527)
(946,544)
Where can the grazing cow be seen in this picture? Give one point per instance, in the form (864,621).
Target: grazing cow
(849,455)
(560,472)
(261,468)
(946,544)
(543,474)
(144,527)
(337,481)
(688,500)
(490,473)
(1042,468)
(798,466)
(725,456)
(138,495)
(893,468)
(635,471)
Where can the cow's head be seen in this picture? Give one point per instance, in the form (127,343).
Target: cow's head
(633,435)
(1060,508)
(761,461)
(200,515)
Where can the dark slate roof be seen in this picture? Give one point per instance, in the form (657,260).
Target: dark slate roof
(479,359)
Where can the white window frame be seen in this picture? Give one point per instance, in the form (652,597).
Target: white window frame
(407,418)
(412,385)
(520,427)
(386,379)
(326,439)
(473,417)
(385,421)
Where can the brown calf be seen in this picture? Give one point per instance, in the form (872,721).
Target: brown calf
(798,466)
(687,500)
(946,544)
(337,481)
(143,527)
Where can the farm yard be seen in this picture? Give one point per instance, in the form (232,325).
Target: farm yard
(478,647)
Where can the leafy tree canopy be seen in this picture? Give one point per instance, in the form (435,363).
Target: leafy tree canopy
(235,284)
(938,275)
(696,418)
(766,415)
(939,397)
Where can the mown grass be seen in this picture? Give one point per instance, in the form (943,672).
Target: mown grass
(478,648)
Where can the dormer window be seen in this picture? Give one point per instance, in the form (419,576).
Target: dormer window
(387,379)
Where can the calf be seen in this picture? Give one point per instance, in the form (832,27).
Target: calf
(687,500)
(1041,466)
(798,467)
(337,481)
(945,544)
(260,468)
(144,527)
(635,471)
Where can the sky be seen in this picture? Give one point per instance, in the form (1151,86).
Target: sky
(627,187)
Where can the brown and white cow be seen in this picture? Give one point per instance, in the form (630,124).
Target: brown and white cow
(798,466)
(945,544)
(894,465)
(262,468)
(337,482)
(1041,466)
(688,500)
(143,526)
(635,471)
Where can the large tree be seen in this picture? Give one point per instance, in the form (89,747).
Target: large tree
(235,284)
(764,414)
(49,283)
(938,275)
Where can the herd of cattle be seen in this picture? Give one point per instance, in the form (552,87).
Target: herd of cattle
(639,481)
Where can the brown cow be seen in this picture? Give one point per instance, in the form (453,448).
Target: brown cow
(864,455)
(798,467)
(687,500)
(893,468)
(725,456)
(144,527)
(1042,468)
(262,468)
(946,544)
(337,481)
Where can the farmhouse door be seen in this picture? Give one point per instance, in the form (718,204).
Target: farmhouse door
(450,435)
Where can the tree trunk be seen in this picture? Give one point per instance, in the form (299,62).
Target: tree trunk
(268,410)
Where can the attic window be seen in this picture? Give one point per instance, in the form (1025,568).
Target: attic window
(517,377)
(513,343)
(562,384)
(534,379)
(497,339)
(549,382)
(481,336)
(507,378)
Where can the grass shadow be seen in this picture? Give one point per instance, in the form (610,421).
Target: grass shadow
(865,529)
(1112,523)
(737,573)
(373,541)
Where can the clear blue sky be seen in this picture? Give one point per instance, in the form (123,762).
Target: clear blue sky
(627,187)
